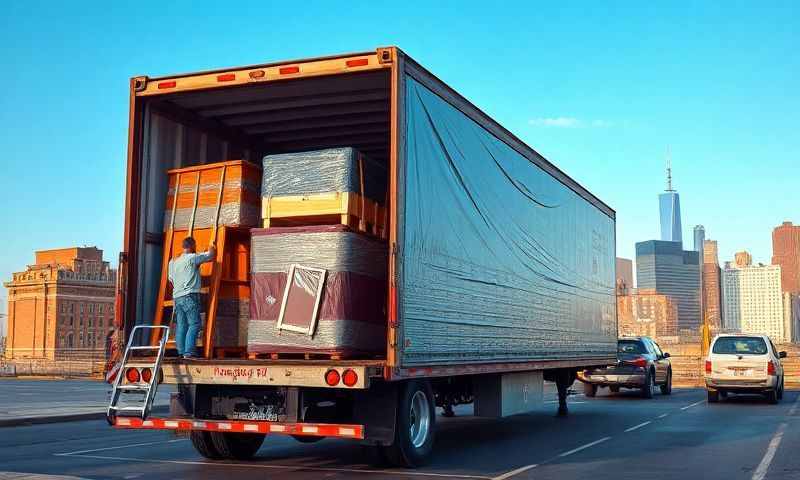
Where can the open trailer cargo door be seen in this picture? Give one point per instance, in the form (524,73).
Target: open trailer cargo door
(500,260)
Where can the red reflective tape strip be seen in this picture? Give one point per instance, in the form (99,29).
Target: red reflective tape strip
(170,84)
(226,77)
(359,62)
(310,429)
(288,70)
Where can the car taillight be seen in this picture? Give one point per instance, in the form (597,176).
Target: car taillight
(132,375)
(349,378)
(332,378)
(147,374)
(708,366)
(770,368)
(639,362)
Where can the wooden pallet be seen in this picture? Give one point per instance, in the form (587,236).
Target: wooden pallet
(300,356)
(347,208)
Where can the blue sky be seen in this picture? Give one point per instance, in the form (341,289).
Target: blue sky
(599,88)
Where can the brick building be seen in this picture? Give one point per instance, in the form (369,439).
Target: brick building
(60,307)
(712,285)
(645,312)
(786,253)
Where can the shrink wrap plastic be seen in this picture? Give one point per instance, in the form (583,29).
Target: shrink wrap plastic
(351,317)
(322,171)
(500,261)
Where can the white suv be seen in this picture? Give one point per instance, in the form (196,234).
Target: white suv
(744,363)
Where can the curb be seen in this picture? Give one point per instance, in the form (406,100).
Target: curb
(75,417)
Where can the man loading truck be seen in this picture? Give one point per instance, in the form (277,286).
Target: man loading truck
(184,275)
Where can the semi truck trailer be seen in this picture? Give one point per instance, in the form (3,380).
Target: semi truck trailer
(500,270)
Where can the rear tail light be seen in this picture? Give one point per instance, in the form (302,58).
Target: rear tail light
(708,366)
(132,375)
(170,84)
(332,378)
(288,70)
(147,375)
(770,368)
(639,362)
(226,77)
(349,378)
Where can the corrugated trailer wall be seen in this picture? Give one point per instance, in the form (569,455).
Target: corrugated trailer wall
(500,261)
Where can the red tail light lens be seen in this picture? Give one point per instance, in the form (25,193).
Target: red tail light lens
(639,362)
(226,77)
(288,70)
(349,378)
(132,375)
(163,85)
(708,366)
(332,378)
(770,368)
(147,375)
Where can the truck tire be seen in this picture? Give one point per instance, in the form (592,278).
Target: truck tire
(589,389)
(666,389)
(649,384)
(237,446)
(772,396)
(415,425)
(204,445)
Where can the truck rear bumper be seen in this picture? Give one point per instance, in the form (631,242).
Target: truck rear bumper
(623,380)
(239,426)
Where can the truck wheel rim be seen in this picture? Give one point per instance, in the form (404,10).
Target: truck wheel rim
(420,419)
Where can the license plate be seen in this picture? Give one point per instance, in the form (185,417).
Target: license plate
(742,372)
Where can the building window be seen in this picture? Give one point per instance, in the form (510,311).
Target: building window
(91,308)
(91,322)
(99,323)
(82,308)
(63,308)
(81,322)
(71,321)
(99,308)
(71,308)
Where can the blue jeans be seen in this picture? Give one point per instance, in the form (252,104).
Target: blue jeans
(187,318)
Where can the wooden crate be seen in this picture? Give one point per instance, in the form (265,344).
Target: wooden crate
(347,208)
(202,196)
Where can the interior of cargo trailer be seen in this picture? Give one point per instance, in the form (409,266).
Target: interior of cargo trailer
(190,129)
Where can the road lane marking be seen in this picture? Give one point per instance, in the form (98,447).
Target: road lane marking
(512,473)
(584,447)
(693,405)
(406,473)
(662,415)
(636,427)
(67,454)
(772,448)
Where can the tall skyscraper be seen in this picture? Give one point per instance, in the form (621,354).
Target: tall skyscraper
(669,205)
(699,240)
(786,253)
(712,285)
(669,270)
(753,299)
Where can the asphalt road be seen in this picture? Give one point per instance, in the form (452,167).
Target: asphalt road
(608,437)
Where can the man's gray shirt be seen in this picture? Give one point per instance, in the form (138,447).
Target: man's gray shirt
(184,273)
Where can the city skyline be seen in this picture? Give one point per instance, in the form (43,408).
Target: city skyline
(606,126)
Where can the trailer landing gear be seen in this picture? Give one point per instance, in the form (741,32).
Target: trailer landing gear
(563,379)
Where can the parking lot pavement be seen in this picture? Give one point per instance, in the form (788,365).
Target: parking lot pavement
(41,401)
(619,436)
